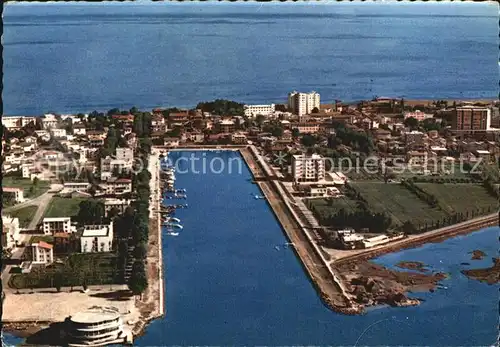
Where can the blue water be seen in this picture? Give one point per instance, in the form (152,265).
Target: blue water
(81,57)
(226,284)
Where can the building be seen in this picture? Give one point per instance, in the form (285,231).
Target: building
(97,326)
(471,118)
(79,129)
(238,138)
(415,139)
(120,205)
(308,168)
(10,232)
(42,253)
(97,238)
(303,103)
(418,115)
(307,127)
(117,186)
(254,110)
(16,122)
(71,187)
(14,194)
(227,126)
(126,154)
(55,132)
(49,121)
(51,225)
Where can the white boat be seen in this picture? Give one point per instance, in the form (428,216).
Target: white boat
(173,234)
(173,219)
(175,225)
(259,197)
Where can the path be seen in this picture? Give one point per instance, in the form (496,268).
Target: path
(42,207)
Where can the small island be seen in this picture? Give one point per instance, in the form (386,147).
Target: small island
(412,265)
(489,275)
(477,254)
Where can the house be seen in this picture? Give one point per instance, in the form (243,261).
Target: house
(109,165)
(30,139)
(125,154)
(97,238)
(227,126)
(49,121)
(42,253)
(14,194)
(95,141)
(171,142)
(58,133)
(382,134)
(79,129)
(51,225)
(158,123)
(120,205)
(416,157)
(117,186)
(131,140)
(10,232)
(238,138)
(306,127)
(72,187)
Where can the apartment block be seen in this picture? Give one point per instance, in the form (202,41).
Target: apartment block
(308,168)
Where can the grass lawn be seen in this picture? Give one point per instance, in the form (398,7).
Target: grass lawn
(63,207)
(46,238)
(26,184)
(461,197)
(94,268)
(398,202)
(25,215)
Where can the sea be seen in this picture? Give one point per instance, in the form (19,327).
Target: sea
(229,278)
(67,57)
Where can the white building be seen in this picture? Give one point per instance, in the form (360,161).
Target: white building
(254,110)
(10,232)
(49,121)
(42,253)
(53,225)
(303,103)
(58,132)
(97,238)
(97,326)
(418,115)
(308,168)
(124,153)
(119,204)
(16,122)
(17,194)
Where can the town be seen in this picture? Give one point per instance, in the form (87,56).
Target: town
(81,191)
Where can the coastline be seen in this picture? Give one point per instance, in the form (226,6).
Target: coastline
(330,286)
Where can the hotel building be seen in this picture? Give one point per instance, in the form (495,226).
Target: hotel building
(308,168)
(254,110)
(303,103)
(471,118)
(57,225)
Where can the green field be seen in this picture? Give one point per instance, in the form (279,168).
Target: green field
(30,190)
(92,268)
(329,206)
(24,214)
(63,207)
(460,198)
(398,202)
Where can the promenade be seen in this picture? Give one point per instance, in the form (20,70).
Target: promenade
(151,304)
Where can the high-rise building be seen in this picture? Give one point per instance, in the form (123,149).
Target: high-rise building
(471,118)
(303,103)
(308,168)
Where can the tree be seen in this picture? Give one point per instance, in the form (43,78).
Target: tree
(140,251)
(35,182)
(411,122)
(91,212)
(315,110)
(308,140)
(260,119)
(138,281)
(295,133)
